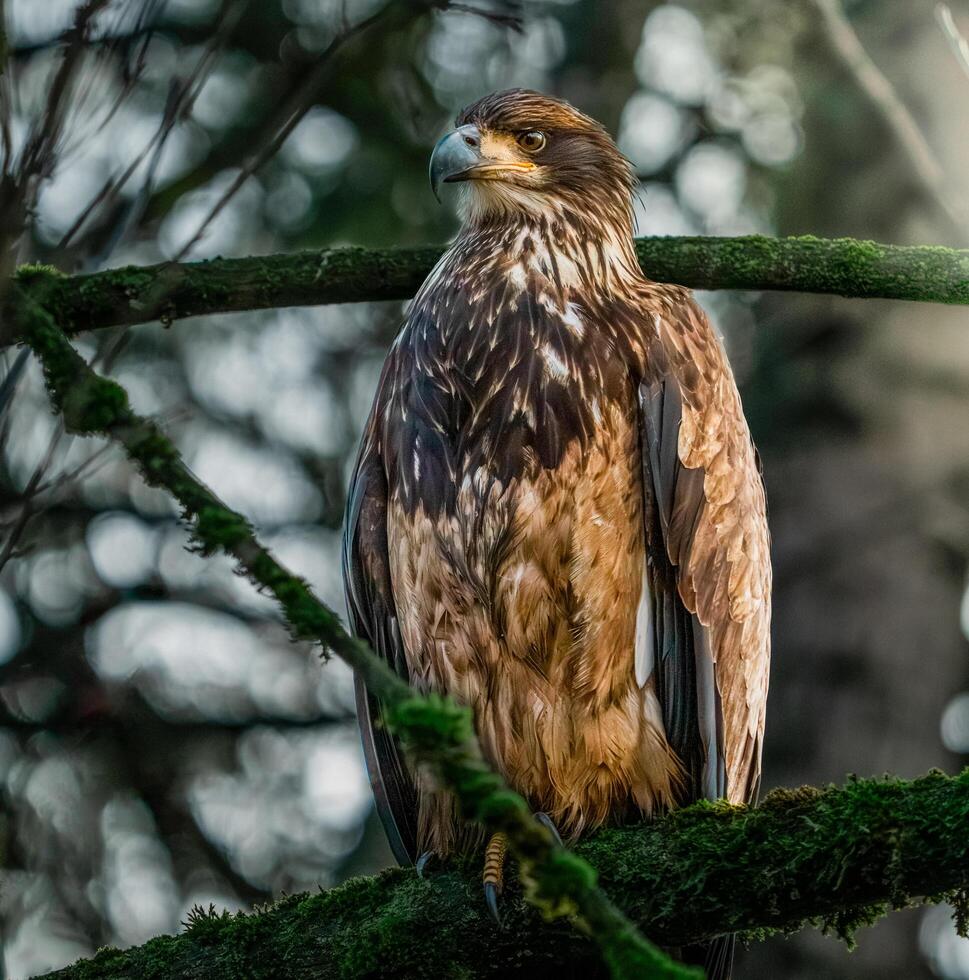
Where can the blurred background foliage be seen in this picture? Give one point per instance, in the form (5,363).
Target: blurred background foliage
(162,743)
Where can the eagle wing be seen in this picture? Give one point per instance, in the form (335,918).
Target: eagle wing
(708,572)
(373,616)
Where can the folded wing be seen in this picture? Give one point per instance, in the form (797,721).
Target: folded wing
(709,569)
(370,601)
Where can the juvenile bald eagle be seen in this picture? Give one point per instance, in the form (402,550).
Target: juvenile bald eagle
(557,515)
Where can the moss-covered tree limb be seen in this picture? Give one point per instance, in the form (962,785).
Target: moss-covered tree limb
(344,275)
(837,858)
(436,733)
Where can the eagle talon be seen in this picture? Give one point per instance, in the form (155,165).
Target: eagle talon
(422,862)
(546,821)
(491,893)
(493,875)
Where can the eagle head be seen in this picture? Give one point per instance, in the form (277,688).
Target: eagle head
(520,151)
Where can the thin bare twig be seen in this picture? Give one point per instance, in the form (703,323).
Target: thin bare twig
(39,151)
(873,82)
(6,141)
(305,96)
(30,491)
(181,100)
(21,179)
(108,350)
(292,113)
(512,20)
(12,378)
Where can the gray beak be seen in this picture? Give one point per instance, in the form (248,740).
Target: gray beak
(454,157)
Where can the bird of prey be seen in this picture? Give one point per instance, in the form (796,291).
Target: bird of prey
(557,515)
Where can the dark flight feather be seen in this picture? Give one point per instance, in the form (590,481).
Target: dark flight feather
(370,602)
(686,683)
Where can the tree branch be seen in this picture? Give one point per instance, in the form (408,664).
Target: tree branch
(880,91)
(837,858)
(347,275)
(867,845)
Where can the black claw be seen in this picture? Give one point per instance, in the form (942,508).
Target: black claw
(546,821)
(491,900)
(422,863)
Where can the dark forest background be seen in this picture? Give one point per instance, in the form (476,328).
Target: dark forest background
(162,743)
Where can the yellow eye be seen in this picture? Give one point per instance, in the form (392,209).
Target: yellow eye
(532,141)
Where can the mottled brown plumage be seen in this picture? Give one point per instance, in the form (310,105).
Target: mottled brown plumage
(557,514)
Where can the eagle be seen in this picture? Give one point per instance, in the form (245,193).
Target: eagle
(557,515)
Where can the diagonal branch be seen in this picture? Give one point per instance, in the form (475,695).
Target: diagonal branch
(837,858)
(436,733)
(289,117)
(880,91)
(842,266)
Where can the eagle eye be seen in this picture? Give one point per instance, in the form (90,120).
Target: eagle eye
(532,141)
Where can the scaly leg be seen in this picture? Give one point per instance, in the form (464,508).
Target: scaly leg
(493,875)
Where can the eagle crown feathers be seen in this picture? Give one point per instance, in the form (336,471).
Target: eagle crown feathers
(542,177)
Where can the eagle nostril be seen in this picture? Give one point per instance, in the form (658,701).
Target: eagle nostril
(471,141)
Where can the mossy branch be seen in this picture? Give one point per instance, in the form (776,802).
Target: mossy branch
(843,266)
(837,858)
(842,856)
(435,732)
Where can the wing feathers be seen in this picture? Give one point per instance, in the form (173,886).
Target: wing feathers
(711,595)
(366,576)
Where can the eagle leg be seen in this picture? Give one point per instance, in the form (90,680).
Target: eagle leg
(493,876)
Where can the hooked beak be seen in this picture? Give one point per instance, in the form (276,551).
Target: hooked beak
(458,156)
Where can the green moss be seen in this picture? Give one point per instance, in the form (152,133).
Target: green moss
(844,266)
(552,888)
(344,275)
(105,962)
(91,406)
(153,451)
(497,805)
(431,722)
(220,529)
(628,961)
(831,858)
(34,273)
(207,926)
(306,616)
(785,798)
